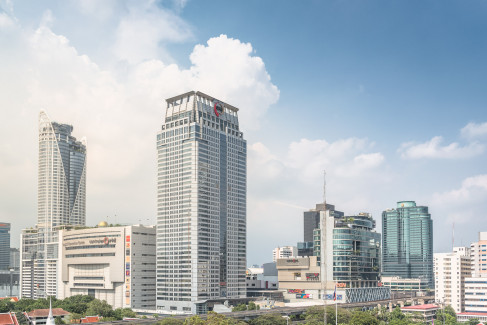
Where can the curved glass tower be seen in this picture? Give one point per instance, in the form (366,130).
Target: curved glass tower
(61,197)
(61,200)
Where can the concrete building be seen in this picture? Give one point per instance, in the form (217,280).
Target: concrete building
(201,204)
(398,284)
(284,252)
(350,249)
(407,242)
(61,200)
(116,264)
(451,269)
(259,279)
(476,295)
(426,313)
(479,256)
(4,246)
(15,258)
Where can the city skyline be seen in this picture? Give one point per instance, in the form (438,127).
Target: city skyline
(352,88)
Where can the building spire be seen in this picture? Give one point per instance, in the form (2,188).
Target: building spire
(50,318)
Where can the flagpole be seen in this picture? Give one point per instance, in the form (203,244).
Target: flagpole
(336,305)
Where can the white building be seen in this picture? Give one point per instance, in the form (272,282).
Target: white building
(116,264)
(61,200)
(284,252)
(201,204)
(476,285)
(451,269)
(479,256)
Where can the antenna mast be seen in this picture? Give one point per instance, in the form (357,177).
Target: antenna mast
(322,247)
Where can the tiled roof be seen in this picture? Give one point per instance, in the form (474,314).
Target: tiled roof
(45,312)
(420,307)
(90,319)
(471,313)
(8,319)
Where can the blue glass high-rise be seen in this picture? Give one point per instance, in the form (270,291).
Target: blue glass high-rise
(407,242)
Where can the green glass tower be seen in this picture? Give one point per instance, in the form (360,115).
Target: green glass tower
(407,242)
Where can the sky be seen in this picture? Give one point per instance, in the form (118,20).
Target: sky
(389,97)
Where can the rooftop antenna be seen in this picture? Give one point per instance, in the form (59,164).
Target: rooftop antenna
(324,187)
(453,237)
(323,243)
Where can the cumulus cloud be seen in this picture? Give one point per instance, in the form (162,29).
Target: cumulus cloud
(140,33)
(434,149)
(474,130)
(119,108)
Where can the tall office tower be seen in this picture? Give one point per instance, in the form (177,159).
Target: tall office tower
(4,246)
(311,219)
(451,269)
(201,204)
(61,200)
(407,242)
(284,252)
(61,191)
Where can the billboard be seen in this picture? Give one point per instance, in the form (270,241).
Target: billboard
(295,291)
(304,296)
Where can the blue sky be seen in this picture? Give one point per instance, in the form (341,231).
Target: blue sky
(388,96)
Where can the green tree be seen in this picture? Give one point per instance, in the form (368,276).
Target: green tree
(473,321)
(76,304)
(240,307)
(194,320)
(315,313)
(447,316)
(269,319)
(363,318)
(171,321)
(58,321)
(121,313)
(76,316)
(218,319)
(6,305)
(252,306)
(22,320)
(99,308)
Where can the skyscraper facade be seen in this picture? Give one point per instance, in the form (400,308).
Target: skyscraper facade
(407,242)
(4,246)
(201,204)
(61,191)
(61,200)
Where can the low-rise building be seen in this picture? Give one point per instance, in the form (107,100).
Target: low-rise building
(467,316)
(284,252)
(115,264)
(8,319)
(424,312)
(398,284)
(39,316)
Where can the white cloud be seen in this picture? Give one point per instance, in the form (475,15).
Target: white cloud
(119,110)
(474,130)
(140,34)
(472,189)
(434,149)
